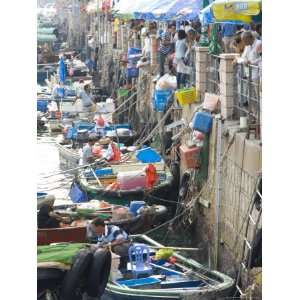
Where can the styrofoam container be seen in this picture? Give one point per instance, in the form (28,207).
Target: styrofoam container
(131,180)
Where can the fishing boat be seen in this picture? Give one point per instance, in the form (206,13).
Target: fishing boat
(120,182)
(139,223)
(184,278)
(68,157)
(119,133)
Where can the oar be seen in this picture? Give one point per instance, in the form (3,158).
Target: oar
(77,168)
(176,248)
(167,269)
(99,182)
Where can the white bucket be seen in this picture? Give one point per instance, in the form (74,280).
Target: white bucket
(243,122)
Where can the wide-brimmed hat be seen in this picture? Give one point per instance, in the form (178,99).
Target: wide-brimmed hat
(104,141)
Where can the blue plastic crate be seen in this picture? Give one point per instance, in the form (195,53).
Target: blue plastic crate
(84,126)
(132,72)
(161,99)
(202,121)
(117,126)
(42,105)
(132,51)
(100,172)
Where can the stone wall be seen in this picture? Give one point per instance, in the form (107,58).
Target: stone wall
(241,165)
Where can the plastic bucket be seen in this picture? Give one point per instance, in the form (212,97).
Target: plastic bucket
(135,206)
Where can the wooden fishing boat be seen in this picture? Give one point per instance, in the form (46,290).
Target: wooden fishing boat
(100,187)
(77,233)
(184,279)
(119,133)
(68,157)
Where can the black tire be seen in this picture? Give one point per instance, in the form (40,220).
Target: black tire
(76,274)
(175,170)
(99,273)
(49,278)
(49,273)
(184,185)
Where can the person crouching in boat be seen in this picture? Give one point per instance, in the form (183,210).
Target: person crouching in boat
(112,153)
(100,124)
(49,219)
(109,235)
(87,156)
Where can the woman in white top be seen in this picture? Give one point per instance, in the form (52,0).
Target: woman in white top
(181,50)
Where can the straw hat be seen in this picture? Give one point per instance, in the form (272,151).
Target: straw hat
(104,141)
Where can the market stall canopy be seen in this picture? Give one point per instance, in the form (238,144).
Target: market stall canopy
(237,11)
(164,10)
(46,38)
(46,30)
(206,16)
(103,5)
(126,9)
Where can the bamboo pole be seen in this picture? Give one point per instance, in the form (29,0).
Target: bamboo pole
(176,248)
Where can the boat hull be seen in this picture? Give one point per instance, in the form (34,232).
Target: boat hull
(68,158)
(218,284)
(116,295)
(135,225)
(60,235)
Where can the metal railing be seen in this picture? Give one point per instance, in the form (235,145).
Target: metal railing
(212,74)
(247,92)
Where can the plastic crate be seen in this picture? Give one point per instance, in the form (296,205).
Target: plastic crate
(117,126)
(202,121)
(132,72)
(42,105)
(100,172)
(123,92)
(161,99)
(133,51)
(186,96)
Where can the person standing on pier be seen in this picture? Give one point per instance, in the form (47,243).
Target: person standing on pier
(88,104)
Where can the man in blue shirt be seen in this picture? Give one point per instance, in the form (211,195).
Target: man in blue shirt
(228,33)
(104,235)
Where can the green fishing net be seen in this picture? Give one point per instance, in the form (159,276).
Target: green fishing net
(62,253)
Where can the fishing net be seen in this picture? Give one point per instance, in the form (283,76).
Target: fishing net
(62,253)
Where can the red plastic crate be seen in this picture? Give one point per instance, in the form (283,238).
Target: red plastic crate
(190,157)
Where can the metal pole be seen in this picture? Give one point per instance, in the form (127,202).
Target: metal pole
(218,190)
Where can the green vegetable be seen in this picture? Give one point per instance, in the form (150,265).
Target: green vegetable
(164,253)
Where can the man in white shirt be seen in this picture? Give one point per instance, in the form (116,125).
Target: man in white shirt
(87,156)
(251,56)
(252,53)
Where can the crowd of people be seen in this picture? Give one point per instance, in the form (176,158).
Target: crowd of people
(176,44)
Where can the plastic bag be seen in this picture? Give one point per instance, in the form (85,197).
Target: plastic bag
(166,82)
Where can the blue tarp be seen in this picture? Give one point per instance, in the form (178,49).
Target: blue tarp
(164,10)
(62,70)
(206,16)
(77,195)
